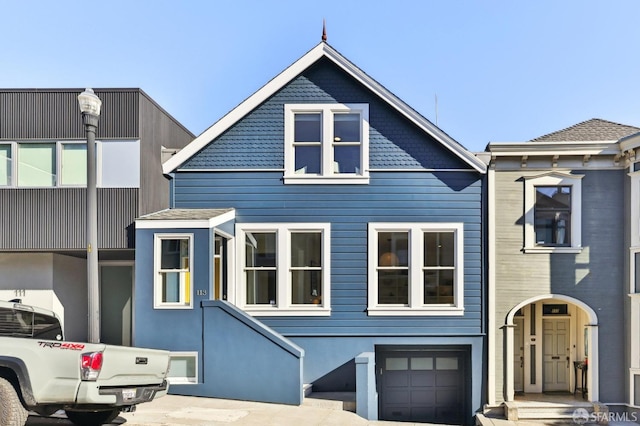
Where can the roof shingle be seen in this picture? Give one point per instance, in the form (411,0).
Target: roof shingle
(595,129)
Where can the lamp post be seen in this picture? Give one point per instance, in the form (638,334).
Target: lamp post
(90,108)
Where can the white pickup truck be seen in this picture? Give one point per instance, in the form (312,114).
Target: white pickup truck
(92,383)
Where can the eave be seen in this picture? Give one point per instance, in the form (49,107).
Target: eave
(282,79)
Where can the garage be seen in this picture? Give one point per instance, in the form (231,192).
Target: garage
(426,385)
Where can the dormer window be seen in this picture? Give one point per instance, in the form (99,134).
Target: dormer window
(326,143)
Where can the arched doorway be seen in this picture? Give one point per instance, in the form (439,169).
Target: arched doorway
(543,337)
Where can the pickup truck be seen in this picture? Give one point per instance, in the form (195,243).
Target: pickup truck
(92,383)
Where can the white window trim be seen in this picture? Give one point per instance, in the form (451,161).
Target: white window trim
(157,281)
(326,177)
(184,380)
(416,289)
(552,179)
(283,306)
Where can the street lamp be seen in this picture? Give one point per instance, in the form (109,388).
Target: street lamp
(90,108)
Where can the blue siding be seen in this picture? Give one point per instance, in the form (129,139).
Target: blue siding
(413,178)
(390,197)
(257,141)
(170,329)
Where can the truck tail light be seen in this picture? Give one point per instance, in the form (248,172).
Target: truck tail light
(91,364)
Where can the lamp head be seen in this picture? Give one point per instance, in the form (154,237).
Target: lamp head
(89,103)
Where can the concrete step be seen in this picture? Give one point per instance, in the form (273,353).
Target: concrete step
(532,410)
(345,401)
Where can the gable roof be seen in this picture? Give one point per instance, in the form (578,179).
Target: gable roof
(322,50)
(591,130)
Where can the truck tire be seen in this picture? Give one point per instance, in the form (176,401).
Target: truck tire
(92,418)
(12,413)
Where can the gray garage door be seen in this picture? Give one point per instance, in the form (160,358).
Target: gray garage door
(423,386)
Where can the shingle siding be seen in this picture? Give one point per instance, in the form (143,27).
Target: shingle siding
(257,141)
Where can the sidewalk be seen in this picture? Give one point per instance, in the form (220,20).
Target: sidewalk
(186,410)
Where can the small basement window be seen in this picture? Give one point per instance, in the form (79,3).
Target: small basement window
(183,368)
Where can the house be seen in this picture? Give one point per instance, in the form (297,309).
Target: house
(43,199)
(321,234)
(563,236)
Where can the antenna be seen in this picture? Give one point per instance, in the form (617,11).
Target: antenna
(436,96)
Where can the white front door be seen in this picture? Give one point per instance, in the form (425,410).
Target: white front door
(556,355)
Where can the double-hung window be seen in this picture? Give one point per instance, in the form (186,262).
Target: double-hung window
(173,266)
(416,269)
(553,213)
(326,143)
(285,269)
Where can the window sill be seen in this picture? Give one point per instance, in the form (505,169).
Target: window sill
(287,312)
(173,307)
(326,180)
(182,381)
(574,250)
(405,311)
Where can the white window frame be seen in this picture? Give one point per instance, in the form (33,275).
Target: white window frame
(326,175)
(552,179)
(283,305)
(186,297)
(177,380)
(416,307)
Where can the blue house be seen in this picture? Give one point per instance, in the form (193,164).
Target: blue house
(322,235)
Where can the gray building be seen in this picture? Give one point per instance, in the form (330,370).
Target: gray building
(43,193)
(559,225)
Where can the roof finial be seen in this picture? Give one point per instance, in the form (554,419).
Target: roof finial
(324,31)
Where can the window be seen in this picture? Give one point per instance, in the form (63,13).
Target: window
(64,163)
(326,143)
(5,165)
(416,269)
(28,324)
(73,164)
(183,368)
(173,267)
(43,164)
(284,269)
(36,164)
(553,213)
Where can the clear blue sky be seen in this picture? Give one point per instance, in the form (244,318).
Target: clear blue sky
(501,70)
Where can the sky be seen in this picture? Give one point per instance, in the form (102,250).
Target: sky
(483,71)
